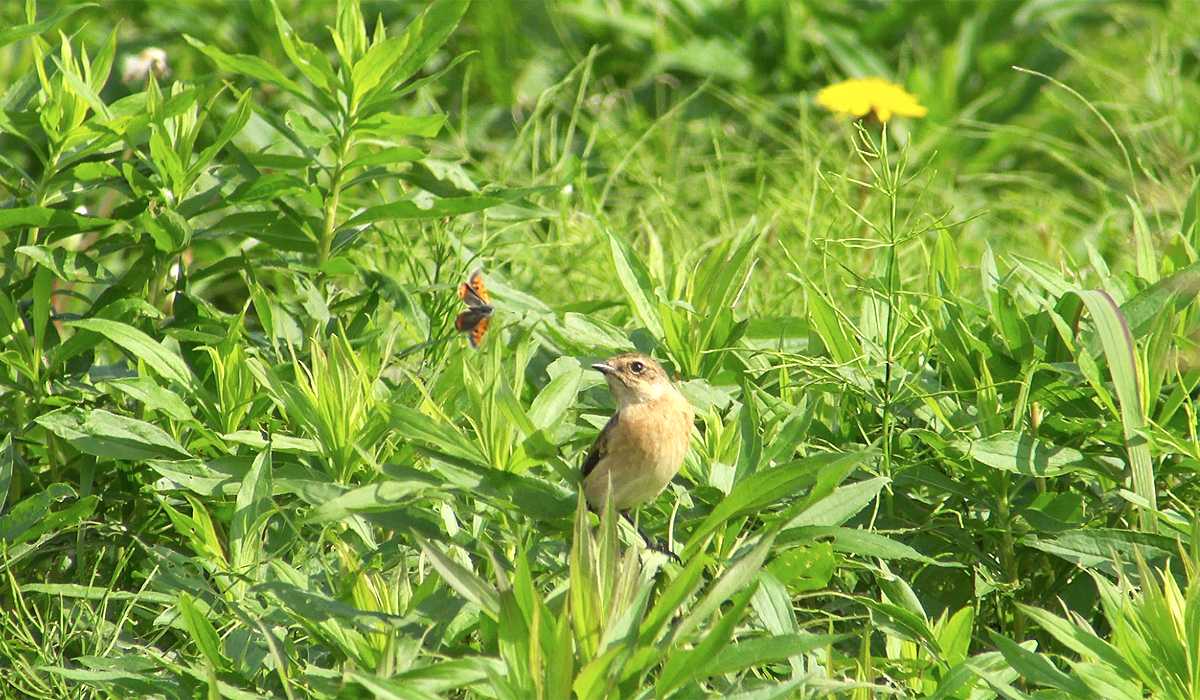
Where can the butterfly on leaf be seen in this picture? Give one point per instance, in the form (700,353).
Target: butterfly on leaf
(478,315)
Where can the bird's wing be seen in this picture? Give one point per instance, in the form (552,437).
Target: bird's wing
(600,448)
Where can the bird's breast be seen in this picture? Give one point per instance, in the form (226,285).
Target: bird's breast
(644,451)
(656,434)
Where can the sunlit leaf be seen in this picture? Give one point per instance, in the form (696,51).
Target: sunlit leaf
(103,434)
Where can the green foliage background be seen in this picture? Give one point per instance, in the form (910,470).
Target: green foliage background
(945,371)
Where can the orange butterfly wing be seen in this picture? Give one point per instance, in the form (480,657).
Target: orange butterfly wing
(478,316)
(473,291)
(474,322)
(476,336)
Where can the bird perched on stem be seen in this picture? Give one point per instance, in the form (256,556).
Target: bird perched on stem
(643,445)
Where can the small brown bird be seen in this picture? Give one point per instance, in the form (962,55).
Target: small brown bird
(643,445)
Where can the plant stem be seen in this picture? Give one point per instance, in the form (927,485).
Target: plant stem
(331,204)
(892,182)
(1008,559)
(24,263)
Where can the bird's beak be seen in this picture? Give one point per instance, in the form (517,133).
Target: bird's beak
(604,368)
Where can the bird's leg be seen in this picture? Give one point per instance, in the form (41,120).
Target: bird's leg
(651,543)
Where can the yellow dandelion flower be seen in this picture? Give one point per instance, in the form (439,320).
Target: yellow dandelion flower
(861,96)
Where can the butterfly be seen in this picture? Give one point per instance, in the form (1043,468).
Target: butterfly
(474,321)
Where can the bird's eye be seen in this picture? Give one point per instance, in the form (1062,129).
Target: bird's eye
(637,367)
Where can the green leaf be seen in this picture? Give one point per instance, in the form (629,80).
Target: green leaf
(308,59)
(375,63)
(267,187)
(1108,682)
(1037,668)
(42,26)
(513,640)
(672,598)
(231,125)
(199,531)
(733,579)
(268,227)
(171,231)
(1175,292)
(74,590)
(904,623)
(202,632)
(461,579)
(61,220)
(67,265)
(773,606)
(388,156)
(762,650)
(349,32)
(390,126)
(28,512)
(251,66)
(749,420)
(315,607)
(386,495)
(954,635)
(683,667)
(102,65)
(420,428)
(439,678)
(252,508)
(709,57)
(847,52)
(804,568)
(437,209)
(425,35)
(46,524)
(80,88)
(152,396)
(279,442)
(164,362)
(1121,353)
(553,401)
(770,486)
(839,341)
(1099,547)
(787,439)
(861,542)
(1078,639)
(388,689)
(217,477)
(1146,262)
(103,434)
(841,505)
(1188,222)
(8,458)
(962,676)
(723,274)
(635,280)
(1021,453)
(587,335)
(390,101)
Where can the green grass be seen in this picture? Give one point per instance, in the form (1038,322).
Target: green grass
(945,372)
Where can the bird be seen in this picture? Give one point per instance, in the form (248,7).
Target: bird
(644,443)
(149,60)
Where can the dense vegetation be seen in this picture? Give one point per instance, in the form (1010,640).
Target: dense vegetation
(945,368)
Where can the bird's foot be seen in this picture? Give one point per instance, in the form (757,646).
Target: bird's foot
(662,548)
(652,544)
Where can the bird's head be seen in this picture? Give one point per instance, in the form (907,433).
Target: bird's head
(634,378)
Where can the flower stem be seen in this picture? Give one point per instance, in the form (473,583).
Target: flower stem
(331,204)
